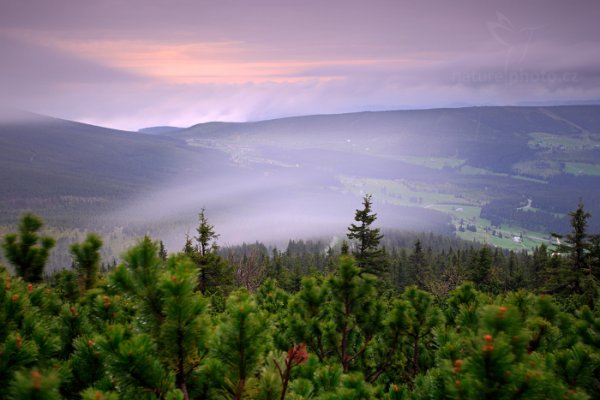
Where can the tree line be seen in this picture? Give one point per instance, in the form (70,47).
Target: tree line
(368,322)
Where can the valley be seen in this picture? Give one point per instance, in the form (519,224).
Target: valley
(506,176)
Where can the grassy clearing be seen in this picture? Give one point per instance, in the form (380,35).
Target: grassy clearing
(549,141)
(401,192)
(539,168)
(582,169)
(529,241)
(460,209)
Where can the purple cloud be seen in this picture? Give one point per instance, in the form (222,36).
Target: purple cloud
(143,63)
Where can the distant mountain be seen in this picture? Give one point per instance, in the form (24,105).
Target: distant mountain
(159,130)
(508,169)
(504,175)
(61,167)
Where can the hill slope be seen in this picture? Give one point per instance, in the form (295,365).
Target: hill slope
(506,175)
(57,167)
(495,170)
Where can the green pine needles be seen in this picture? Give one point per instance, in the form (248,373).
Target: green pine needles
(27,251)
(149,329)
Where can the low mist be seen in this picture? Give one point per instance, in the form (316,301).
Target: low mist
(254,205)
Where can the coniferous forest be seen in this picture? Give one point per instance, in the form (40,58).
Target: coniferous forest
(382,316)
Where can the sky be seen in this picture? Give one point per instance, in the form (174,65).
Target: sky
(140,63)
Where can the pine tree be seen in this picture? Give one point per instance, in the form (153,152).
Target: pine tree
(170,318)
(148,333)
(578,279)
(86,256)
(134,366)
(183,331)
(424,317)
(137,277)
(356,313)
(206,234)
(239,343)
(369,256)
(306,315)
(27,251)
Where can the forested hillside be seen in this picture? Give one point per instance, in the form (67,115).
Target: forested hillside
(507,176)
(513,168)
(73,172)
(423,317)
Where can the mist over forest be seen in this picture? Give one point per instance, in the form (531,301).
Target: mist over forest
(501,175)
(315,200)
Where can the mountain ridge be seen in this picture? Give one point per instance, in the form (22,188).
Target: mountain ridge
(488,171)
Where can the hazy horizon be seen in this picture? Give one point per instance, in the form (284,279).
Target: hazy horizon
(152,63)
(8,114)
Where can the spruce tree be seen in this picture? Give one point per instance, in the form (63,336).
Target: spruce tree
(578,278)
(27,251)
(575,244)
(214,273)
(207,236)
(369,256)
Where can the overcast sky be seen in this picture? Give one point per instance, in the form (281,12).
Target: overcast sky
(133,64)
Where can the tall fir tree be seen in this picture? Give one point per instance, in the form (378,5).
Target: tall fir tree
(369,256)
(207,237)
(214,273)
(578,278)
